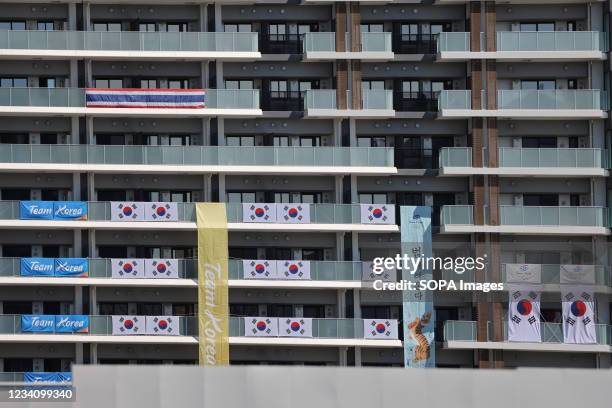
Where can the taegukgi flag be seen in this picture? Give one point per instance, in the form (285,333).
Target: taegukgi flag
(293,270)
(368,274)
(377,214)
(295,327)
(162,325)
(261,326)
(259,269)
(161,268)
(293,213)
(127,211)
(258,212)
(524,314)
(380,329)
(161,211)
(126,325)
(127,268)
(578,305)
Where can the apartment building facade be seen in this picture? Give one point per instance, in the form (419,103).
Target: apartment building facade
(494,114)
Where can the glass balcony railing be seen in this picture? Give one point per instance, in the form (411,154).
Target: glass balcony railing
(380,99)
(457,215)
(550,273)
(129,41)
(326,42)
(530,157)
(198,155)
(75,98)
(455,330)
(529,41)
(319,213)
(455,99)
(321,328)
(188,269)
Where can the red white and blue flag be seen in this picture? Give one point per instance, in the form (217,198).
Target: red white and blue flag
(293,213)
(145,98)
(127,211)
(128,268)
(377,214)
(258,212)
(261,326)
(524,313)
(295,327)
(127,325)
(259,269)
(380,329)
(578,315)
(161,211)
(294,270)
(162,325)
(161,268)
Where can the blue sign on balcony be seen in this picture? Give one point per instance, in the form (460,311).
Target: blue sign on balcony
(37,267)
(69,210)
(37,323)
(36,210)
(71,267)
(71,324)
(57,377)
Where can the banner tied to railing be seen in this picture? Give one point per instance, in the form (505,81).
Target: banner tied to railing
(145,98)
(53,210)
(143,211)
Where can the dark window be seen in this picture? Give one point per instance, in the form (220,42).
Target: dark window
(242,253)
(244,310)
(112,251)
(53,365)
(12,25)
(16,251)
(15,307)
(16,194)
(108,309)
(551,200)
(18,365)
(14,139)
(280,310)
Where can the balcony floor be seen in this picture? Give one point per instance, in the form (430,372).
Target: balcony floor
(537,347)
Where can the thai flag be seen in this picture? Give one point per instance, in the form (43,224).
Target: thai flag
(145,98)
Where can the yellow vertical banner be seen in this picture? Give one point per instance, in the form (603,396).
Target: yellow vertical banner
(213,299)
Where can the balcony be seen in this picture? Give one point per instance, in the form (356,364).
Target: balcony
(281,43)
(126,45)
(462,335)
(322,46)
(416,101)
(197,159)
(283,100)
(323,218)
(71,102)
(415,158)
(415,43)
(551,274)
(322,103)
(516,161)
(527,45)
(577,104)
(524,220)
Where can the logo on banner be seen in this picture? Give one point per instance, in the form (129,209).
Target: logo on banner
(294,213)
(377,214)
(70,210)
(523,273)
(71,324)
(36,267)
(71,267)
(258,212)
(36,210)
(53,377)
(259,269)
(581,274)
(38,323)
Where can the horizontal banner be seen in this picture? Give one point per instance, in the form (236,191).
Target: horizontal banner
(368,274)
(52,210)
(144,211)
(128,325)
(145,98)
(380,329)
(162,325)
(128,268)
(523,273)
(54,324)
(377,213)
(161,268)
(258,212)
(71,324)
(261,326)
(57,377)
(37,323)
(151,325)
(70,267)
(37,267)
(295,327)
(267,269)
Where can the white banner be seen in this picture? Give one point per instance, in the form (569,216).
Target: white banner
(162,325)
(578,315)
(524,314)
(298,270)
(261,326)
(127,211)
(161,268)
(128,268)
(368,275)
(523,273)
(161,211)
(293,213)
(258,212)
(295,327)
(380,329)
(259,269)
(127,325)
(377,214)
(577,274)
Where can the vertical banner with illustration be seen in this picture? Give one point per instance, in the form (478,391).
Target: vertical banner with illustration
(213,302)
(418,317)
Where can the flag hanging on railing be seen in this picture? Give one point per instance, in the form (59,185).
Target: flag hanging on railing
(295,327)
(259,269)
(578,305)
(524,314)
(145,98)
(261,326)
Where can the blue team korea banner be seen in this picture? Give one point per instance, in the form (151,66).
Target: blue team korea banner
(36,210)
(36,377)
(69,210)
(37,323)
(145,98)
(37,267)
(71,324)
(418,310)
(75,267)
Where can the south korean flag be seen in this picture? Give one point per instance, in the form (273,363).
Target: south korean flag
(127,211)
(161,211)
(377,214)
(162,325)
(295,327)
(128,325)
(127,268)
(261,326)
(380,329)
(524,314)
(259,269)
(294,270)
(578,315)
(293,213)
(386,275)
(161,268)
(258,212)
